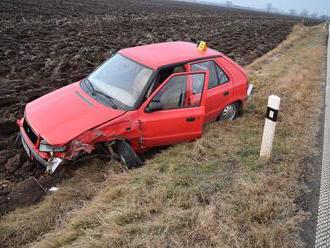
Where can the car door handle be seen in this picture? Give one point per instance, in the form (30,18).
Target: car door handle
(191,119)
(226,93)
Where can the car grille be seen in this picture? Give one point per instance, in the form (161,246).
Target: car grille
(29,132)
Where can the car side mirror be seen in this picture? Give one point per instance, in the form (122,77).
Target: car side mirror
(154,106)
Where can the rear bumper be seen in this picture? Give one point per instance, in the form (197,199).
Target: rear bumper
(250,90)
(248,96)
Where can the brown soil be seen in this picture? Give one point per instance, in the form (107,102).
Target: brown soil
(48,44)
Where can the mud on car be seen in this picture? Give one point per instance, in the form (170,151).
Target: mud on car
(140,98)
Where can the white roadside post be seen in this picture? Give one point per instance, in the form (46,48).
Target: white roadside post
(270,124)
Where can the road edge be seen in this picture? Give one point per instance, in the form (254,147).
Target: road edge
(323,219)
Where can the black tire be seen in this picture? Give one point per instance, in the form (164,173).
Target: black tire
(230,112)
(126,154)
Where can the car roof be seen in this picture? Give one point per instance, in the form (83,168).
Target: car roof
(161,54)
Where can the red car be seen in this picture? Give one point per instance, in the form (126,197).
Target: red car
(142,97)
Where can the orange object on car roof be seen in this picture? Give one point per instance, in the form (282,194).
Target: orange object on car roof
(160,54)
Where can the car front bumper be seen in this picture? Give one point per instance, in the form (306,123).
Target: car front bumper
(51,163)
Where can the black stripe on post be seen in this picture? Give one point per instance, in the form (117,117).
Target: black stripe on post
(272,114)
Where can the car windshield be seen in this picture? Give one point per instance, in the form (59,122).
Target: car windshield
(121,78)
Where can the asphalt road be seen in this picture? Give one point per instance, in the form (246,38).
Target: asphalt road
(323,221)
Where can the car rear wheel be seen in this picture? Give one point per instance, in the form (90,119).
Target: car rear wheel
(229,113)
(126,154)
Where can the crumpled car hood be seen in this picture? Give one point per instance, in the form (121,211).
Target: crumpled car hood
(64,114)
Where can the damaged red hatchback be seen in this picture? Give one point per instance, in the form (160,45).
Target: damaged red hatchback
(142,97)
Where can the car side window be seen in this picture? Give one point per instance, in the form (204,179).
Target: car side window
(222,77)
(162,75)
(175,94)
(172,95)
(217,75)
(207,66)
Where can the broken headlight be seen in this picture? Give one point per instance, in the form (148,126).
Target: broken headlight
(45,147)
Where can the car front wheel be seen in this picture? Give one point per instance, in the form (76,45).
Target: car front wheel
(229,113)
(126,154)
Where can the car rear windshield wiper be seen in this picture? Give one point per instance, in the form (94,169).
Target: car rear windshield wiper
(109,98)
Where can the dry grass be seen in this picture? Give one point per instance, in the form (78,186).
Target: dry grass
(26,224)
(215,192)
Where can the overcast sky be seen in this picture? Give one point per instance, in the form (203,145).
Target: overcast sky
(319,6)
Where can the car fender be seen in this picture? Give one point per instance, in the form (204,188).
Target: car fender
(125,127)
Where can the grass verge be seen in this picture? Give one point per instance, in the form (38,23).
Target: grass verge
(214,192)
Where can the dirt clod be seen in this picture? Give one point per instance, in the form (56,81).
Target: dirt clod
(13,163)
(7,127)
